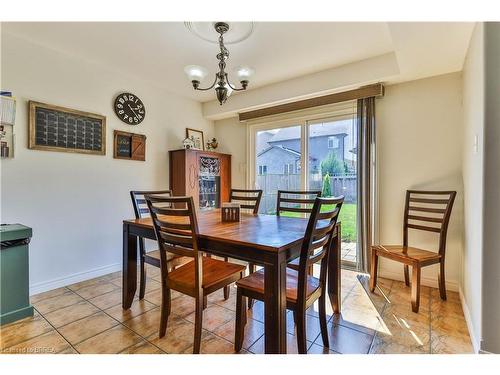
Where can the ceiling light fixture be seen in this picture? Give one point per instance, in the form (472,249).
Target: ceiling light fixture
(221,83)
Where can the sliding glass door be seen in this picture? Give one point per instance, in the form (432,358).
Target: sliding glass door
(332,169)
(311,154)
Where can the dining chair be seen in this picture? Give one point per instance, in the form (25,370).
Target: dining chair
(249,200)
(176,229)
(141,210)
(436,206)
(293,202)
(302,289)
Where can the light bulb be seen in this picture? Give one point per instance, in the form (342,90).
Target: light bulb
(195,72)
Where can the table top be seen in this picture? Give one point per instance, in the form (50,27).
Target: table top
(266,232)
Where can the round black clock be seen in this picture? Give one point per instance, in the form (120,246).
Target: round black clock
(129,108)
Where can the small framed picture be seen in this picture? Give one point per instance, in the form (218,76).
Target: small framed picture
(197,137)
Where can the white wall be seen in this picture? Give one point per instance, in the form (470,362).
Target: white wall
(472,169)
(232,138)
(419,136)
(490,304)
(75,202)
(419,145)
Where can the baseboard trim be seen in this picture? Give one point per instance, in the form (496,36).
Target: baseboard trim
(468,319)
(427,281)
(74,278)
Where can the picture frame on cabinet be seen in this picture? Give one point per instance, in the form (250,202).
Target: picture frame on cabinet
(197,137)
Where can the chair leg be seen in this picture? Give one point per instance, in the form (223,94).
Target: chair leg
(165,310)
(415,288)
(373,271)
(442,281)
(251,269)
(241,313)
(226,292)
(142,285)
(301,332)
(322,319)
(407,275)
(197,325)
(205,302)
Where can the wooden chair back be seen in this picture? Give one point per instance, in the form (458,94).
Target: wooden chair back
(140,206)
(176,229)
(318,241)
(296,201)
(250,198)
(428,211)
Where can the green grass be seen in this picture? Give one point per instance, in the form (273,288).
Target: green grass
(347,218)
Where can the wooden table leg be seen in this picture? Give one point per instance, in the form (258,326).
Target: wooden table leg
(129,271)
(275,306)
(334,268)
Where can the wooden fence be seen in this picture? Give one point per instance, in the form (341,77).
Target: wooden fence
(270,183)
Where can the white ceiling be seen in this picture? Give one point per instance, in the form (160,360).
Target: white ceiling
(158,52)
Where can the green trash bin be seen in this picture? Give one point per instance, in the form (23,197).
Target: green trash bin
(14,273)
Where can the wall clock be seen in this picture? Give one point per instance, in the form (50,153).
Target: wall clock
(129,108)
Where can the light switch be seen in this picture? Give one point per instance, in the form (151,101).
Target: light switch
(476,146)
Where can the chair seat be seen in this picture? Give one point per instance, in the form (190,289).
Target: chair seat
(216,274)
(255,283)
(407,255)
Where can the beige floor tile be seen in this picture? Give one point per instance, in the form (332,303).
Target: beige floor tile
(404,313)
(84,284)
(178,338)
(48,305)
(183,305)
(70,350)
(85,328)
(71,313)
(253,331)
(22,330)
(113,340)
(145,324)
(450,344)
(367,321)
(47,343)
(212,344)
(107,300)
(142,347)
(213,317)
(318,349)
(291,345)
(313,329)
(51,293)
(151,285)
(400,331)
(381,346)
(137,308)
(97,289)
(347,341)
(450,325)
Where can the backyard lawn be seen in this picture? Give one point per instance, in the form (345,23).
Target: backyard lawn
(347,218)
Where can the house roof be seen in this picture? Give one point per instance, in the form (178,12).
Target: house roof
(293,132)
(289,150)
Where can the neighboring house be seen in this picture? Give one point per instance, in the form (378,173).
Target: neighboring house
(282,154)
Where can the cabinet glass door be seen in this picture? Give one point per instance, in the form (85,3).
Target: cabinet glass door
(209,181)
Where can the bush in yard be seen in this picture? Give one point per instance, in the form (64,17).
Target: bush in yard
(333,166)
(327,187)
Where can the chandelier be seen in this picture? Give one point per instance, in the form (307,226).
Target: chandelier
(223,87)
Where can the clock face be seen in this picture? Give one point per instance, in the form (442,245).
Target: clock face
(129,108)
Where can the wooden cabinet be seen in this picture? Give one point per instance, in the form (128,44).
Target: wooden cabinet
(204,175)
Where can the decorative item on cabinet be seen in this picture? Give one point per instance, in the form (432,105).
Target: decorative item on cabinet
(212,145)
(188,143)
(197,137)
(204,175)
(129,146)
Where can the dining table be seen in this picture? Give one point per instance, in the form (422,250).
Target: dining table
(270,241)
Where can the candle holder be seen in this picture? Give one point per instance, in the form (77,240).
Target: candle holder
(230,212)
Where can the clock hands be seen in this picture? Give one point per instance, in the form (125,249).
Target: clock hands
(135,114)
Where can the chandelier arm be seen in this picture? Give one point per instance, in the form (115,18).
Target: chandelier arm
(233,88)
(208,88)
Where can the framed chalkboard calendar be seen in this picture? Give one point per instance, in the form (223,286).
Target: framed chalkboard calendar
(54,128)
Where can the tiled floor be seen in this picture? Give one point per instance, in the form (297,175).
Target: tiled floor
(348,251)
(87,318)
